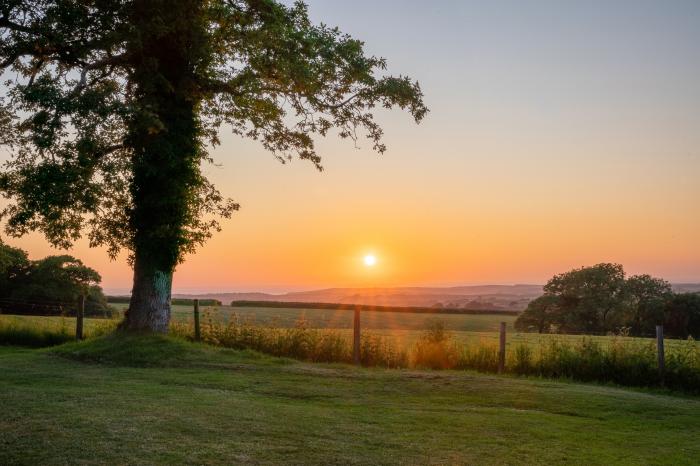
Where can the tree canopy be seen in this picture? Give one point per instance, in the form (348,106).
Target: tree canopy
(52,282)
(112,106)
(601,299)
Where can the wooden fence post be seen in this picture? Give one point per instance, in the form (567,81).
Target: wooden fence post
(502,348)
(197,332)
(79,314)
(660,350)
(356,338)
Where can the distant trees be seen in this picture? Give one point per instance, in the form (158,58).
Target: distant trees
(14,265)
(601,299)
(646,299)
(54,279)
(593,296)
(682,315)
(541,314)
(173,302)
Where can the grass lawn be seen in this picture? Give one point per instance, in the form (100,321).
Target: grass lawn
(156,400)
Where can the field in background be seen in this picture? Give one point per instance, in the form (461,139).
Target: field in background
(328,318)
(404,328)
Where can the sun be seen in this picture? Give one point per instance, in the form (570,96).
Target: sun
(370,260)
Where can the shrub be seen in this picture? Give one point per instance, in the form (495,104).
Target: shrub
(522,359)
(481,356)
(435,348)
(376,350)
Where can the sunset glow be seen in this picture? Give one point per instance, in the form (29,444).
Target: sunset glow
(547,147)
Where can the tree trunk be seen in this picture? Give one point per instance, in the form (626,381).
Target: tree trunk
(164,137)
(149,308)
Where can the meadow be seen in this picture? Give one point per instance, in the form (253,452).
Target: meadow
(327,318)
(159,400)
(400,340)
(404,328)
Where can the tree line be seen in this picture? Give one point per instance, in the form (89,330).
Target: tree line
(601,299)
(55,282)
(173,301)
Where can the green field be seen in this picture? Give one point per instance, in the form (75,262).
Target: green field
(328,318)
(186,403)
(404,328)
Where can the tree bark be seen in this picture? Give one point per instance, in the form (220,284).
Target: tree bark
(164,138)
(149,308)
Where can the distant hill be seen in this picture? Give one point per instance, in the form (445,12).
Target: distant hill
(474,297)
(481,297)
(686,287)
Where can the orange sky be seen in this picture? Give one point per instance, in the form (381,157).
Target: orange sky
(549,145)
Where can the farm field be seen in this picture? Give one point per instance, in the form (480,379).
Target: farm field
(403,328)
(328,318)
(164,401)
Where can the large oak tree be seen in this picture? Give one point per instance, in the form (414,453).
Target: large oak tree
(111,106)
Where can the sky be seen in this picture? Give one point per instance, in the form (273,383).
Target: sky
(560,134)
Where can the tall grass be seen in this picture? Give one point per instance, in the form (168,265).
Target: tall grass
(299,342)
(33,334)
(623,361)
(40,332)
(618,360)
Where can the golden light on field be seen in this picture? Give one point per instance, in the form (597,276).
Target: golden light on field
(370,260)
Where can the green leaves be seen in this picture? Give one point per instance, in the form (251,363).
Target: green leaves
(55,278)
(601,299)
(111,105)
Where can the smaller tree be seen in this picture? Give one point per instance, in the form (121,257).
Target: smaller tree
(54,280)
(57,278)
(541,314)
(592,298)
(647,297)
(682,315)
(14,267)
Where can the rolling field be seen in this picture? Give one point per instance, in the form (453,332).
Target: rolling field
(163,401)
(327,318)
(403,328)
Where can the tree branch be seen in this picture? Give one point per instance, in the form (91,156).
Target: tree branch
(7,24)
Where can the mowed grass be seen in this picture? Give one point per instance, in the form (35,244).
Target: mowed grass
(164,401)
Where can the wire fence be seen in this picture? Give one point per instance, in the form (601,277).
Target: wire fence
(38,307)
(404,325)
